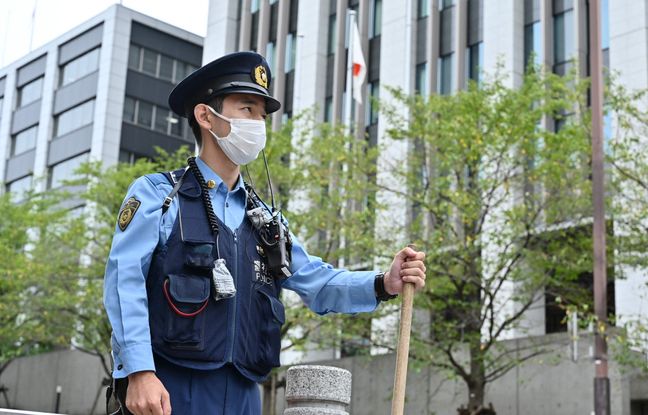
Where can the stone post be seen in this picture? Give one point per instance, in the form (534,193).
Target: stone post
(317,390)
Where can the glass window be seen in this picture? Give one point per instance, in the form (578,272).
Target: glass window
(144,114)
(30,92)
(443,4)
(532,45)
(149,62)
(423,8)
(65,170)
(605,24)
(376,21)
(1,104)
(445,75)
(183,70)
(372,108)
(270,52)
(291,49)
(328,109)
(166,67)
(475,61)
(421,78)
(80,67)
(332,35)
(161,120)
(176,126)
(134,57)
(254,6)
(129,109)
(74,118)
(18,188)
(563,37)
(24,141)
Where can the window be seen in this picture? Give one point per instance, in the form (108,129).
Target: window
(129,110)
(24,141)
(80,67)
(166,68)
(30,92)
(18,188)
(65,170)
(445,75)
(444,4)
(158,65)
(605,24)
(332,35)
(144,114)
(532,46)
(372,109)
(74,118)
(270,56)
(376,19)
(563,41)
(1,104)
(291,53)
(421,79)
(151,116)
(134,54)
(328,109)
(149,62)
(423,8)
(254,6)
(475,61)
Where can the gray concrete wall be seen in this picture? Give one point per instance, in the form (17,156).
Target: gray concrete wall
(548,384)
(32,381)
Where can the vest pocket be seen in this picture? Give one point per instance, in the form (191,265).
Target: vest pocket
(198,254)
(187,297)
(264,346)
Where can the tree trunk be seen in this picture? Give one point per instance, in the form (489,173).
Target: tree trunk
(477,383)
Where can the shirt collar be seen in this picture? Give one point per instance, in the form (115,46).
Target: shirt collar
(210,174)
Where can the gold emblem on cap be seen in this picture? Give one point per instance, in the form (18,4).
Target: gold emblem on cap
(211,184)
(260,76)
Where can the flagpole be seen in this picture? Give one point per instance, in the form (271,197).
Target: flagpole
(348,101)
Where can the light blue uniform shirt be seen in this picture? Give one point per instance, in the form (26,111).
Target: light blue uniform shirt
(322,288)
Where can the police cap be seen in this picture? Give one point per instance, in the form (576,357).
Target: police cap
(236,73)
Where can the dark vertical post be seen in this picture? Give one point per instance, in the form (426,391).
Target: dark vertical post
(601,380)
(57,405)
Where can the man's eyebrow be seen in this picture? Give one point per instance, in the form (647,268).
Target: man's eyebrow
(248,101)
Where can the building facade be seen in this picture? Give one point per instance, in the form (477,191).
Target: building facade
(98,92)
(434,47)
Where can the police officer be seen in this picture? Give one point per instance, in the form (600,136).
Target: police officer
(176,343)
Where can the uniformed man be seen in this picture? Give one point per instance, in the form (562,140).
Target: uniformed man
(180,340)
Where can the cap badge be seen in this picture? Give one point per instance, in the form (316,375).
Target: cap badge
(260,76)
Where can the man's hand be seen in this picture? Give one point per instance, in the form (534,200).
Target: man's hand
(146,395)
(408,266)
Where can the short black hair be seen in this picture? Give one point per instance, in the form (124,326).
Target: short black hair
(217,104)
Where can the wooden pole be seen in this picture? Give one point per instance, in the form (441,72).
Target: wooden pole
(402,353)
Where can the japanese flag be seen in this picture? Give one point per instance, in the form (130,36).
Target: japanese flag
(359,66)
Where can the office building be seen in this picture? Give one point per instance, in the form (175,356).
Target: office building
(97,92)
(436,47)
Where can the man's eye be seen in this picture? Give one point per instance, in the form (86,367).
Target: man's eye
(248,108)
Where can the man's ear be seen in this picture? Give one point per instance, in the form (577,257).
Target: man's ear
(201,114)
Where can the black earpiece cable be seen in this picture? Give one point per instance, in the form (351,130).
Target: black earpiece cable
(211,216)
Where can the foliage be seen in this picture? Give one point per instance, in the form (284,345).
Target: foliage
(502,207)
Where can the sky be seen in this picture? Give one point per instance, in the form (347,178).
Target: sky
(26,25)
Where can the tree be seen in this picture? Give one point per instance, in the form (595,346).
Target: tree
(501,205)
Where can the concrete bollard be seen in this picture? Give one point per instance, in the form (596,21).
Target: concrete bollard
(317,390)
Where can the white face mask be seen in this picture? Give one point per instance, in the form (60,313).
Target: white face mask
(245,141)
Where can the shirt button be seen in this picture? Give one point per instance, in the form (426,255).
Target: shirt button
(120,367)
(226,204)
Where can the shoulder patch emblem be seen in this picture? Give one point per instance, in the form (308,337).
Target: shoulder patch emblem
(260,76)
(127,212)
